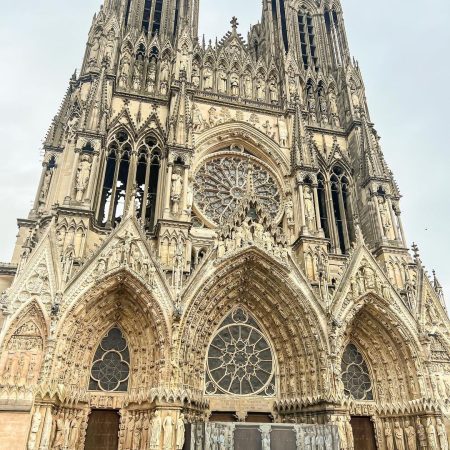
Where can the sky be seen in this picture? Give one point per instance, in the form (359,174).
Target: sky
(402,48)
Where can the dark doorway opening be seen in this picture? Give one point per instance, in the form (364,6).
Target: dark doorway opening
(103,430)
(363,433)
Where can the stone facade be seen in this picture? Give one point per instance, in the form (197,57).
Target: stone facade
(216,241)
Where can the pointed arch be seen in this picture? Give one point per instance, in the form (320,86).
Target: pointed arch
(293,324)
(22,351)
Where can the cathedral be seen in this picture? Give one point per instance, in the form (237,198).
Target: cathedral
(215,257)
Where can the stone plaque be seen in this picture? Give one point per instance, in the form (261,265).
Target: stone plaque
(248,438)
(283,439)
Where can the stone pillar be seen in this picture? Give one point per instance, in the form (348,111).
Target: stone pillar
(93,177)
(73,177)
(168,188)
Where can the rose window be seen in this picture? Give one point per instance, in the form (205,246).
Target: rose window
(240,360)
(222,181)
(355,375)
(111,367)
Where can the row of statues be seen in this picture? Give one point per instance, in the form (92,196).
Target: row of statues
(427,436)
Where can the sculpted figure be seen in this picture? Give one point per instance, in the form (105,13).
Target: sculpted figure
(398,435)
(93,55)
(124,71)
(58,441)
(129,435)
(168,432)
(442,434)
(35,424)
(309,209)
(155,439)
(234,83)
(389,437)
(164,77)
(260,89)
(273,90)
(410,433)
(181,430)
(207,79)
(283,132)
(431,431)
(223,81)
(423,444)
(266,441)
(83,173)
(342,433)
(355,97)
(248,86)
(45,185)
(196,76)
(177,188)
(349,432)
(151,76)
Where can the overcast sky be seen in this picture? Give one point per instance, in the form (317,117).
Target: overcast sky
(403,49)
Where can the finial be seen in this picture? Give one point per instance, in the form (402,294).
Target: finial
(234,23)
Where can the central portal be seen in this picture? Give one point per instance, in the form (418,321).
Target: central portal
(103,430)
(363,433)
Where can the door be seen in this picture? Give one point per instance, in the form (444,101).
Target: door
(103,430)
(363,433)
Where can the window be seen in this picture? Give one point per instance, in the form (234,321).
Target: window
(110,370)
(147,15)
(240,359)
(115,182)
(334,36)
(151,19)
(127,13)
(307,40)
(284,25)
(355,375)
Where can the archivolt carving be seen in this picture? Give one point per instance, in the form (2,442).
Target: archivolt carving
(264,290)
(120,301)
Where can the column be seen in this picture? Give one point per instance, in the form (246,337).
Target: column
(380,222)
(73,177)
(343,219)
(302,208)
(185,189)
(168,188)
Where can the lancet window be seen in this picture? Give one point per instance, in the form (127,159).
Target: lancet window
(240,359)
(151,20)
(307,40)
(284,25)
(355,375)
(147,178)
(334,35)
(110,370)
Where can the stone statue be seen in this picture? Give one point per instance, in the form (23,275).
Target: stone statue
(388,436)
(155,439)
(196,76)
(398,435)
(431,432)
(93,55)
(137,433)
(109,46)
(168,433)
(328,439)
(83,174)
(164,77)
(129,437)
(151,76)
(176,190)
(355,97)
(58,441)
(46,185)
(222,81)
(342,432)
(283,132)
(181,431)
(184,61)
(248,88)
(207,79)
(423,443)
(197,118)
(310,214)
(273,90)
(410,433)
(442,434)
(234,83)
(349,433)
(75,425)
(266,441)
(260,89)
(137,76)
(124,71)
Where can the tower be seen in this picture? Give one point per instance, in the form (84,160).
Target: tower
(215,254)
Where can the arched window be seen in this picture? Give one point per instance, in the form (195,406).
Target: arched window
(110,371)
(355,375)
(334,35)
(307,40)
(127,13)
(321,193)
(147,178)
(340,196)
(115,181)
(152,15)
(240,359)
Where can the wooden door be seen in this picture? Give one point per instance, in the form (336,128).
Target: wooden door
(103,431)
(363,433)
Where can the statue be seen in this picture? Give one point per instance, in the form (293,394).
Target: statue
(129,437)
(248,86)
(342,432)
(310,214)
(398,435)
(137,76)
(181,431)
(176,190)
(151,75)
(156,431)
(410,433)
(74,431)
(93,55)
(349,433)
(283,132)
(386,219)
(266,441)
(442,434)
(46,185)
(234,83)
(168,432)
(222,81)
(289,209)
(164,77)
(431,431)
(423,443)
(292,84)
(124,71)
(260,89)
(312,105)
(58,441)
(137,434)
(273,90)
(109,46)
(328,440)
(82,179)
(354,96)
(389,437)
(207,79)
(196,76)
(184,61)
(197,118)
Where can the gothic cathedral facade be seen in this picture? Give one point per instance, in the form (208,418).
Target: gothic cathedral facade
(215,258)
